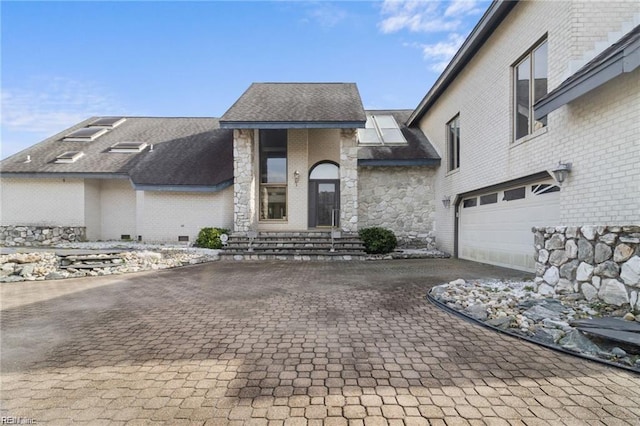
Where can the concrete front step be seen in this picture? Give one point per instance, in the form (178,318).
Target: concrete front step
(312,245)
(290,246)
(322,256)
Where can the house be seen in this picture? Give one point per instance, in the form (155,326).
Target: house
(268,164)
(536,83)
(536,87)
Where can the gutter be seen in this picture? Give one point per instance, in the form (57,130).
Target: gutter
(623,62)
(292,124)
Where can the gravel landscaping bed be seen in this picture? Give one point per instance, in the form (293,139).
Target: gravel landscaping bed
(96,259)
(517,308)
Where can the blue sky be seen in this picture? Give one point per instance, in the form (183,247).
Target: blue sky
(63,62)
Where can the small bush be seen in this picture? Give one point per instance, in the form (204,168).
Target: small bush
(378,240)
(210,238)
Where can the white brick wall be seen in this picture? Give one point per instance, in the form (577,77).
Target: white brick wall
(167,215)
(598,133)
(92,209)
(55,202)
(117,209)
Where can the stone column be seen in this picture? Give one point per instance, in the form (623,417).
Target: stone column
(244,184)
(348,180)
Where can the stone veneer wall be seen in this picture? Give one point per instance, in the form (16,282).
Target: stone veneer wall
(348,180)
(601,262)
(400,199)
(40,235)
(244,181)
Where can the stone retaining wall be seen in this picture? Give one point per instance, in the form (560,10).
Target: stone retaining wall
(600,262)
(35,236)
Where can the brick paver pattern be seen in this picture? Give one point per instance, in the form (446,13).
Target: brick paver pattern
(286,344)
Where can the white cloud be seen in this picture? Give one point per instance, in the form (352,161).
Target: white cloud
(48,105)
(424,16)
(462,7)
(449,18)
(325,14)
(328,15)
(439,54)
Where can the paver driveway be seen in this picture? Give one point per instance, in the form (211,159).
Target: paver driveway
(293,343)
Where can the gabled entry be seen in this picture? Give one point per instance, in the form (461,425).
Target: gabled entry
(324,195)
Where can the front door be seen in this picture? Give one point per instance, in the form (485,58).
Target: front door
(324,205)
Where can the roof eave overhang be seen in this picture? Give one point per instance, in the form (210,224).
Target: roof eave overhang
(184,188)
(624,62)
(479,35)
(63,175)
(396,163)
(292,124)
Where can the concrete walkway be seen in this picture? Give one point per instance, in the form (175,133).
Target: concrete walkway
(285,343)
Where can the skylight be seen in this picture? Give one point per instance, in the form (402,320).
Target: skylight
(128,147)
(69,157)
(381,130)
(109,122)
(86,134)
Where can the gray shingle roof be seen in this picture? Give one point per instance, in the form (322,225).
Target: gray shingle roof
(417,151)
(186,152)
(301,105)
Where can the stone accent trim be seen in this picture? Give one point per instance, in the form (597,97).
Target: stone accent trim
(244,186)
(37,236)
(348,180)
(600,262)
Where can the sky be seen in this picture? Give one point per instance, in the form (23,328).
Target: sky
(63,62)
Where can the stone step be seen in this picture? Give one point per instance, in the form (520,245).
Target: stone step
(293,251)
(301,239)
(89,258)
(288,256)
(89,266)
(313,245)
(300,245)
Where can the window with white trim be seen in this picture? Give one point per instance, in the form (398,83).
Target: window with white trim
(530,76)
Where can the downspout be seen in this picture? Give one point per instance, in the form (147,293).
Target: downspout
(456,226)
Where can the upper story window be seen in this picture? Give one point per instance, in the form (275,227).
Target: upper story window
(381,130)
(530,84)
(453,142)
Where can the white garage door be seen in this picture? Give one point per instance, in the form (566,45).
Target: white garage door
(495,227)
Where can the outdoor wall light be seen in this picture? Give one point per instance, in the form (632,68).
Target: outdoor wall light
(296,177)
(446,201)
(561,172)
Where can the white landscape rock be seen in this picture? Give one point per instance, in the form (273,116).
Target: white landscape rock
(584,272)
(44,265)
(613,292)
(552,275)
(630,272)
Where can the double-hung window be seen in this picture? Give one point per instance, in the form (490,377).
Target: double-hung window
(453,142)
(530,84)
(273,174)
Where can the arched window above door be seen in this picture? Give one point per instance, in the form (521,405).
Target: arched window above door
(325,171)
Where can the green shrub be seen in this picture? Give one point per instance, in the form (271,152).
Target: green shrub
(210,238)
(378,240)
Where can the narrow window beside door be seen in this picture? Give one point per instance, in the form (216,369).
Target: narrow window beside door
(273,174)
